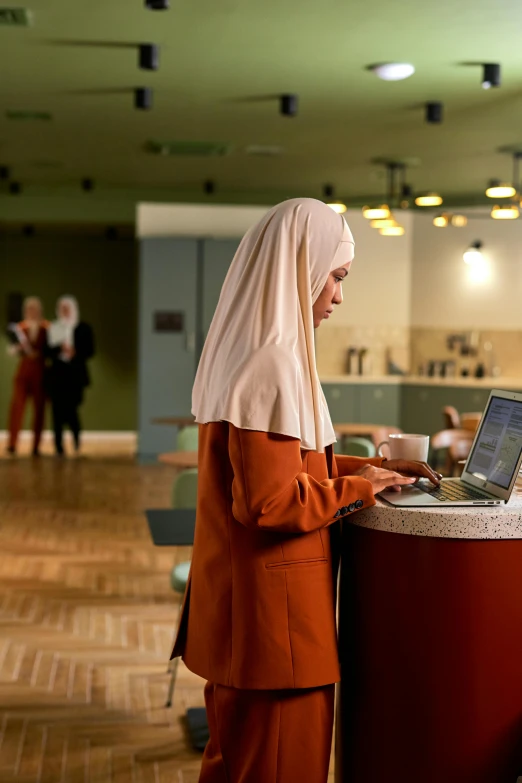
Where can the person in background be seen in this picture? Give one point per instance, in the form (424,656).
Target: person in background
(71,344)
(29,342)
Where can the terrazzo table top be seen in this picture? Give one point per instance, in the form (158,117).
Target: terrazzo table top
(478,522)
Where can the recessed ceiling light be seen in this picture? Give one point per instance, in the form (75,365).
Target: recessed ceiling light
(393,72)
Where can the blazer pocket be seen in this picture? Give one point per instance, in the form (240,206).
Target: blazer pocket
(311,561)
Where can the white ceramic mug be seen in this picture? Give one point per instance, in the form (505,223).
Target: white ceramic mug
(403,446)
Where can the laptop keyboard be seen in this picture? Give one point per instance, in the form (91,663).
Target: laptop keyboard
(454,490)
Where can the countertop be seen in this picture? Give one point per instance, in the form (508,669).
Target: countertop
(477,522)
(424,380)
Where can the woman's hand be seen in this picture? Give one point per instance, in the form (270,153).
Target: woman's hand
(411,468)
(381,478)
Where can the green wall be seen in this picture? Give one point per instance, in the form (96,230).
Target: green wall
(102,274)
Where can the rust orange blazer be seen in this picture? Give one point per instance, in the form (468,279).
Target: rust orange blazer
(259,610)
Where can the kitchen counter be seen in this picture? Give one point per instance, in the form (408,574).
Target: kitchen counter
(424,380)
(430,645)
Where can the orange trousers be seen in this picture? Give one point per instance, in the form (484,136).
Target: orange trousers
(268,736)
(28,384)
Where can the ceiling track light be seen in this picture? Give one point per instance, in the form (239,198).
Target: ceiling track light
(87,184)
(157,5)
(143,98)
(15,188)
(4,172)
(28,231)
(288,105)
(498,189)
(491,75)
(209,187)
(148,57)
(434,112)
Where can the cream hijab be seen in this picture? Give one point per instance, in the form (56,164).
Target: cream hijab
(257,369)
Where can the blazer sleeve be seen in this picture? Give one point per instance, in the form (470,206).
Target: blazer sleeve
(346,466)
(270,491)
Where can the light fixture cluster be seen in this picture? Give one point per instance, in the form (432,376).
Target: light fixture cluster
(380,215)
(336,204)
(446,219)
(507,190)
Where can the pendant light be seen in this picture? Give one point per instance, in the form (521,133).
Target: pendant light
(441,221)
(459,221)
(473,255)
(498,189)
(329,196)
(392,231)
(379,212)
(505,212)
(428,200)
(383,222)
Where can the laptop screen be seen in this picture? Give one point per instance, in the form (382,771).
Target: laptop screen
(498,444)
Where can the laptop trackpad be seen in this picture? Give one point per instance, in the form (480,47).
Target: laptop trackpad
(408,496)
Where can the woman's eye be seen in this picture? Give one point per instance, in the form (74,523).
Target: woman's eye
(339,279)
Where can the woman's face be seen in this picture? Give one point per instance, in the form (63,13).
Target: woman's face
(32,311)
(330,296)
(64,310)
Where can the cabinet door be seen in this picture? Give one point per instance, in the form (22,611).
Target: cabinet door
(341,399)
(421,409)
(217,257)
(379,404)
(168,270)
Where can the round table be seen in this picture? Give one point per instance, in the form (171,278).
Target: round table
(431,645)
(180,459)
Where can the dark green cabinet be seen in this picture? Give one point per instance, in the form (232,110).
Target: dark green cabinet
(368,403)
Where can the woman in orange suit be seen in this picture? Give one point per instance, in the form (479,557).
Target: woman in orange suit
(30,340)
(258,621)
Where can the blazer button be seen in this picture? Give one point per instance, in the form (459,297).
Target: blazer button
(359,504)
(345,510)
(337,514)
(351,507)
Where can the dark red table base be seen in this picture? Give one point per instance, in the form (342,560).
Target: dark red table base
(431,651)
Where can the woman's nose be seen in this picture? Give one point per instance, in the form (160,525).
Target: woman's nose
(338,294)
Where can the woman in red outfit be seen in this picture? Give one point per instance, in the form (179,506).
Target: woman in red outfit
(29,345)
(258,621)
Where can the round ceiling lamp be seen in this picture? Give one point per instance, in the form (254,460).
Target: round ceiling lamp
(497,189)
(379,212)
(505,212)
(441,221)
(429,200)
(393,72)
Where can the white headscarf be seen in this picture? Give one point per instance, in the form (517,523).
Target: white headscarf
(70,323)
(257,369)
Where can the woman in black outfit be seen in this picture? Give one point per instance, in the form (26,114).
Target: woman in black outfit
(71,344)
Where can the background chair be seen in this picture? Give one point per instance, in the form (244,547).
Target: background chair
(358,447)
(184,495)
(457,445)
(187,439)
(451,418)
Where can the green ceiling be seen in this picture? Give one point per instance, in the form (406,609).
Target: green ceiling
(219,61)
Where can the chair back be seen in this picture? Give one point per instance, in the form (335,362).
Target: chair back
(185,489)
(187,439)
(451,418)
(457,444)
(358,447)
(446,438)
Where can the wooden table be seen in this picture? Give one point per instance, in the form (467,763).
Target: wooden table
(175,421)
(180,459)
(374,432)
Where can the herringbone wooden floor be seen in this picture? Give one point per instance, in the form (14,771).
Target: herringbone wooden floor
(86,624)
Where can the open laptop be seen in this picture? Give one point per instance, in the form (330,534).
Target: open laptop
(491,468)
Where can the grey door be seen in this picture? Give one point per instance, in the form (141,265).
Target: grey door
(217,257)
(168,275)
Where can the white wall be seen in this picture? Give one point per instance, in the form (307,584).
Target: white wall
(443,291)
(377,292)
